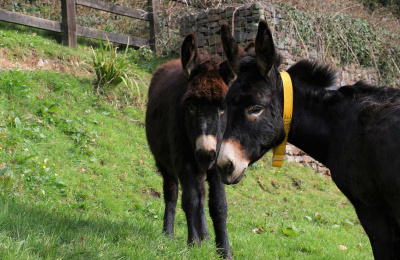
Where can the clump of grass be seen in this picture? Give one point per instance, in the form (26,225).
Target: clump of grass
(110,68)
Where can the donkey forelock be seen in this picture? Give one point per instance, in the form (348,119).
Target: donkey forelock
(205,83)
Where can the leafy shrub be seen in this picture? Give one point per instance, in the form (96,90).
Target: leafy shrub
(349,40)
(109,67)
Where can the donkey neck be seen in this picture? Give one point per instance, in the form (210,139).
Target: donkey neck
(312,117)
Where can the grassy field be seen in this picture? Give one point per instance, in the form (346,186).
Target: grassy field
(78,180)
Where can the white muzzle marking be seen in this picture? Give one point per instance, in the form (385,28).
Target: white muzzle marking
(206,143)
(231,151)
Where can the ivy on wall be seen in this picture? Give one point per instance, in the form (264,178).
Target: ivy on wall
(348,41)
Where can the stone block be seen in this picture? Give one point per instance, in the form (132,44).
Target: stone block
(202,29)
(193,17)
(216,10)
(244,12)
(213,39)
(228,14)
(213,17)
(240,36)
(194,28)
(213,25)
(214,30)
(231,8)
(184,30)
(202,22)
(200,39)
(217,48)
(252,27)
(203,15)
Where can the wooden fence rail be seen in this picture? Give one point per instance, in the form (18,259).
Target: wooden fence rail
(70,30)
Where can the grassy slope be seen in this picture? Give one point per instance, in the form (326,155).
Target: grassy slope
(81,182)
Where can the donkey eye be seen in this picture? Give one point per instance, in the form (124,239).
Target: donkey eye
(222,110)
(192,109)
(255,110)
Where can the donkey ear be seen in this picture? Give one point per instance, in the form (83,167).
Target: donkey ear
(265,49)
(189,54)
(231,48)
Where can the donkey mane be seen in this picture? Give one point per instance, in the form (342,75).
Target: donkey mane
(365,91)
(314,73)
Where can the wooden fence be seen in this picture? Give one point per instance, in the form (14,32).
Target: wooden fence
(70,30)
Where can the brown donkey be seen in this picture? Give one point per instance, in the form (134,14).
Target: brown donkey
(185,121)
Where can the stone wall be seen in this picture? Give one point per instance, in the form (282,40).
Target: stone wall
(243,20)
(206,24)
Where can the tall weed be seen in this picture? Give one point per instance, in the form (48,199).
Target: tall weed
(110,68)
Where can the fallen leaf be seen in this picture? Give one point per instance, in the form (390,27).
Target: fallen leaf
(341,247)
(291,231)
(258,230)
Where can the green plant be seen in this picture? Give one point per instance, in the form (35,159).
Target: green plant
(109,67)
(134,89)
(348,40)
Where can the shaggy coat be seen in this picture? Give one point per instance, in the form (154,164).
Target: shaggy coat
(354,131)
(185,120)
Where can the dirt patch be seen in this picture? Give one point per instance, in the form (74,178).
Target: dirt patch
(155,193)
(152,192)
(33,62)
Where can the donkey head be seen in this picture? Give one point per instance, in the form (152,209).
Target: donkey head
(255,122)
(203,103)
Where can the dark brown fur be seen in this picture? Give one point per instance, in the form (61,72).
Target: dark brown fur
(186,102)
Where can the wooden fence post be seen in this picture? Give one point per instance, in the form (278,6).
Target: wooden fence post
(154,25)
(68,23)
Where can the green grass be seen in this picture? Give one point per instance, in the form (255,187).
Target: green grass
(81,183)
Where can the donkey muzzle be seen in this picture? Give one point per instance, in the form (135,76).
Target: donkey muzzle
(206,153)
(232,162)
(206,158)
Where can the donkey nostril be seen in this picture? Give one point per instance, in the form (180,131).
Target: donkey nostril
(226,168)
(229,166)
(213,155)
(198,154)
(206,156)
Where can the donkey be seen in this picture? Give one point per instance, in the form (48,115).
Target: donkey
(353,130)
(185,120)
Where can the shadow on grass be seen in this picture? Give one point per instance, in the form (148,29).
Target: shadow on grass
(72,233)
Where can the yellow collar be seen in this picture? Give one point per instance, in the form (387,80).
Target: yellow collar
(279,151)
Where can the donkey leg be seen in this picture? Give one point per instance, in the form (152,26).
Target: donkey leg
(379,227)
(396,232)
(204,235)
(219,213)
(191,201)
(170,188)
(396,242)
